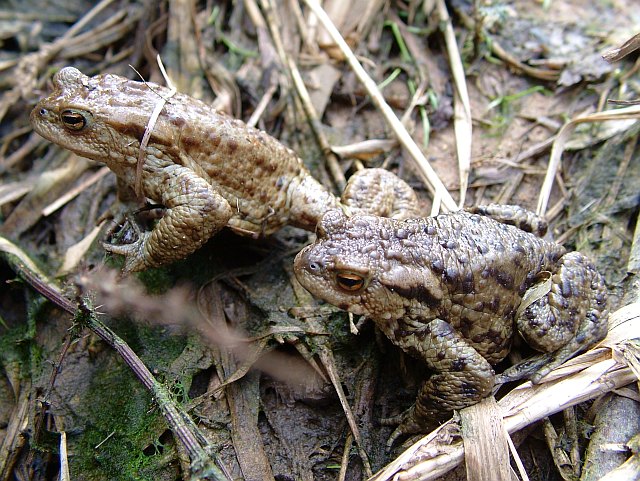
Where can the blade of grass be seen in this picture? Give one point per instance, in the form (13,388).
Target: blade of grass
(461,105)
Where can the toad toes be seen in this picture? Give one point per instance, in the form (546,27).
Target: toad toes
(447,290)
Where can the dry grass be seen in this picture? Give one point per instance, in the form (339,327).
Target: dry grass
(452,124)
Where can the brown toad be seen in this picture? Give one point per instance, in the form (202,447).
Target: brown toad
(206,169)
(448,290)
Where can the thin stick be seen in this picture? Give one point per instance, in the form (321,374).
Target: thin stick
(62,200)
(79,25)
(462,124)
(312,117)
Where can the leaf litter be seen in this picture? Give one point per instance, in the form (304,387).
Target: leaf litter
(470,103)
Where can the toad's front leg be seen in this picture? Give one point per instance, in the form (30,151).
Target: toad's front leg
(194,212)
(461,376)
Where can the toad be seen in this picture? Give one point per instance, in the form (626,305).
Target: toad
(207,170)
(448,290)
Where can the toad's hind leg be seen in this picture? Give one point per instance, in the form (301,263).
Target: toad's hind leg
(380,192)
(461,376)
(513,215)
(570,318)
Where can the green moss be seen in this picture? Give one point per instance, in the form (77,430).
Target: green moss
(121,439)
(338,327)
(14,346)
(17,346)
(123,436)
(158,345)
(156,281)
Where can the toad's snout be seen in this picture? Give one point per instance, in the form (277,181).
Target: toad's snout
(305,265)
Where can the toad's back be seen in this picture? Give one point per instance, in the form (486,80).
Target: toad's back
(466,269)
(479,269)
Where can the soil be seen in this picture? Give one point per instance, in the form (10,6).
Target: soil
(251,362)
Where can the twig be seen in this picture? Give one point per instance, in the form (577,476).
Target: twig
(64,459)
(262,105)
(79,25)
(312,117)
(62,200)
(31,144)
(502,54)
(623,50)
(462,124)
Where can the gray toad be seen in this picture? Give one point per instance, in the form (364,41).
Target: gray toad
(447,290)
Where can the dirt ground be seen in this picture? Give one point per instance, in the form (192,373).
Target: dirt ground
(221,366)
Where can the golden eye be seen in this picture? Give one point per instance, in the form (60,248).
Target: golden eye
(73,120)
(349,281)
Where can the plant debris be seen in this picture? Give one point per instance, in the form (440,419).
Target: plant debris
(221,366)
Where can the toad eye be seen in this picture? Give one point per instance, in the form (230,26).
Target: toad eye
(349,281)
(74,120)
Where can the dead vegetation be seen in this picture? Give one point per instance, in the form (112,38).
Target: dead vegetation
(508,103)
